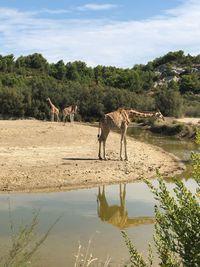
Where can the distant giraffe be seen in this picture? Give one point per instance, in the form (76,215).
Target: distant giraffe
(117,215)
(70,111)
(54,110)
(120,119)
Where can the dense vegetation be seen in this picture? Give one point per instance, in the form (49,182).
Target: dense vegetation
(170,83)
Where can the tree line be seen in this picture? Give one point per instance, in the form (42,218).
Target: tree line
(27,81)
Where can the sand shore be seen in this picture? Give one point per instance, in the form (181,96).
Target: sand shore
(195,121)
(50,156)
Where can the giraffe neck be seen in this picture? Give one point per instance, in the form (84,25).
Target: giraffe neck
(135,113)
(51,104)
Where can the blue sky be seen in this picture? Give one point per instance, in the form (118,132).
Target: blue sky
(118,33)
(116,10)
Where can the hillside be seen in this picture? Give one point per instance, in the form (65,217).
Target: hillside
(170,83)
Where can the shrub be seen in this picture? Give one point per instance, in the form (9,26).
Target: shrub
(167,129)
(169,102)
(177,228)
(24,243)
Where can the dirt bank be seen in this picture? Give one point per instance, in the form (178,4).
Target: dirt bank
(195,121)
(45,156)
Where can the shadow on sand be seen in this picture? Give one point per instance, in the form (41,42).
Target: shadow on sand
(80,158)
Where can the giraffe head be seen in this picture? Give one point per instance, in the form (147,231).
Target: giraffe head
(159,115)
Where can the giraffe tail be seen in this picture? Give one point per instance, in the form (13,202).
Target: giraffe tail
(99,131)
(101,121)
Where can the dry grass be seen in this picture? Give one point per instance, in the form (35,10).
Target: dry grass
(86,259)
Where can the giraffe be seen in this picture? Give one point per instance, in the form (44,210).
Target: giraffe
(117,215)
(120,119)
(54,110)
(70,111)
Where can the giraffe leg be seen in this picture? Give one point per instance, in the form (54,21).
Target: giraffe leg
(121,196)
(123,211)
(120,154)
(102,138)
(64,119)
(104,150)
(72,117)
(105,136)
(57,117)
(124,139)
(121,144)
(120,189)
(52,117)
(99,155)
(124,191)
(125,149)
(98,200)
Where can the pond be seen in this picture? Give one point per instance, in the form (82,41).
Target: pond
(96,214)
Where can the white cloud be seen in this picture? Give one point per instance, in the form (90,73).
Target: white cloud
(96,7)
(53,11)
(101,41)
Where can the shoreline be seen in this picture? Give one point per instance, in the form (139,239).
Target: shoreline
(41,156)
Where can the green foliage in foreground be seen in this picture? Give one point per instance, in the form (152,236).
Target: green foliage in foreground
(177,228)
(24,244)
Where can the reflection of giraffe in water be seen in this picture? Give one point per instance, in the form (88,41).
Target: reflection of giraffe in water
(117,215)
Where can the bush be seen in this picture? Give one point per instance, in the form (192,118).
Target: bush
(170,129)
(169,102)
(24,243)
(177,227)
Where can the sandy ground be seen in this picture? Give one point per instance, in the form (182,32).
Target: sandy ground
(195,121)
(48,156)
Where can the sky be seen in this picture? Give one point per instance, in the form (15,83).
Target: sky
(118,33)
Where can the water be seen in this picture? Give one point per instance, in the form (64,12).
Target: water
(182,148)
(84,218)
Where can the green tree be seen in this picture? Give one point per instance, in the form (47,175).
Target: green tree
(71,72)
(36,61)
(7,63)
(11,102)
(60,70)
(73,83)
(169,57)
(136,82)
(169,101)
(97,74)
(191,83)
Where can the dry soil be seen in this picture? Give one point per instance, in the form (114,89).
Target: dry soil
(50,156)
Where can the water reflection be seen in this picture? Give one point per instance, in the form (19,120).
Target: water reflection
(117,215)
(182,148)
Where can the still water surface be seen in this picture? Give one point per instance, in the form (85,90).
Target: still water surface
(98,214)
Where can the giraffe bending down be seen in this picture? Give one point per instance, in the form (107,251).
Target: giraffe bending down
(117,215)
(120,119)
(70,111)
(54,110)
